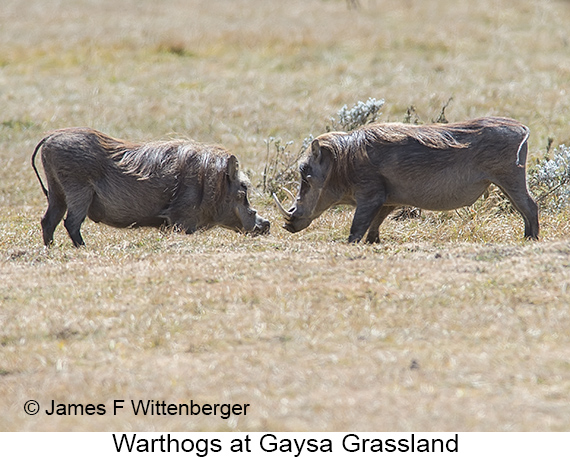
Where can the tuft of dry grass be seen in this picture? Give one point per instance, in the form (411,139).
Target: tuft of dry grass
(314,333)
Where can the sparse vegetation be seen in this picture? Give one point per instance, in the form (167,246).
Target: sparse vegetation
(360,114)
(550,180)
(314,333)
(280,171)
(280,174)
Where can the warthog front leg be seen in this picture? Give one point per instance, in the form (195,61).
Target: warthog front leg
(188,225)
(367,208)
(373,235)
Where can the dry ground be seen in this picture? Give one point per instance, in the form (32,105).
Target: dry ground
(452,322)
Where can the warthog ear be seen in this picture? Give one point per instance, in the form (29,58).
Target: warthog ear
(233,167)
(316,149)
(321,154)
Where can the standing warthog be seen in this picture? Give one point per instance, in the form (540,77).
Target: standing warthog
(182,184)
(436,167)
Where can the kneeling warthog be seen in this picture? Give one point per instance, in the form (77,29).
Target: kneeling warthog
(178,183)
(436,167)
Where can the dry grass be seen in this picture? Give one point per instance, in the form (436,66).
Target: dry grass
(315,334)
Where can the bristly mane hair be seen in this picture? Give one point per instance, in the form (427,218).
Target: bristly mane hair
(166,157)
(350,149)
(436,136)
(179,159)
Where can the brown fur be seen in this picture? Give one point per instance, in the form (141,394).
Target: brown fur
(350,149)
(436,167)
(177,183)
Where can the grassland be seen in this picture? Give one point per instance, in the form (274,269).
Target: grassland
(452,322)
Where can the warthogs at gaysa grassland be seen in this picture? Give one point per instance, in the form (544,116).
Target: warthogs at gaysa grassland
(177,183)
(436,167)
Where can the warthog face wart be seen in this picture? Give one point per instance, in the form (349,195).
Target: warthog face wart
(181,184)
(437,167)
(235,212)
(315,194)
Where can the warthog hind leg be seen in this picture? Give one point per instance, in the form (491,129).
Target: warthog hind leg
(76,213)
(517,192)
(54,214)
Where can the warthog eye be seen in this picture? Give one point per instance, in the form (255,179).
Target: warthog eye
(242,192)
(307,179)
(305,170)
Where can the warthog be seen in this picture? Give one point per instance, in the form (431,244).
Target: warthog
(181,184)
(436,167)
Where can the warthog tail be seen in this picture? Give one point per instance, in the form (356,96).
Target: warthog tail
(34,165)
(523,147)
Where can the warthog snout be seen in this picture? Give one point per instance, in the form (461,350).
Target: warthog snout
(262,226)
(295,225)
(294,222)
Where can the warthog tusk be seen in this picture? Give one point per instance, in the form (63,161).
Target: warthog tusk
(288,192)
(282,210)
